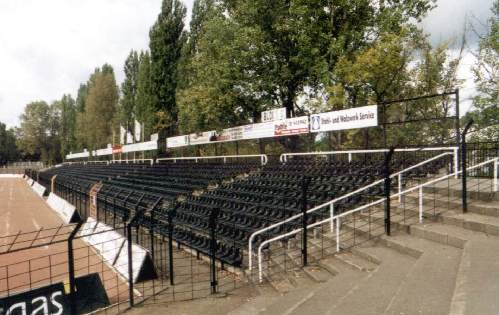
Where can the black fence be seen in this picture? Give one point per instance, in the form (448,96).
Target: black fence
(202,250)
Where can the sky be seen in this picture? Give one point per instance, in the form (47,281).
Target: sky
(47,48)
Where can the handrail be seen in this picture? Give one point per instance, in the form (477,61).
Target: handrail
(263,158)
(96,162)
(337,217)
(283,157)
(341,215)
(332,202)
(133,161)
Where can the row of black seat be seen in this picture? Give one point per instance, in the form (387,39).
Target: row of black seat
(247,196)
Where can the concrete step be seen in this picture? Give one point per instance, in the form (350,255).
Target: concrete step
(490,208)
(318,273)
(456,228)
(478,188)
(356,262)
(301,278)
(477,287)
(472,221)
(372,294)
(429,287)
(336,288)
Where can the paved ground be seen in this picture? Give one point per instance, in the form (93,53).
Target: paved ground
(23,211)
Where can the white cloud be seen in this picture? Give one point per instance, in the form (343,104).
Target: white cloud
(47,48)
(447,23)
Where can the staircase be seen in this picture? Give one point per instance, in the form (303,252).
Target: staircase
(449,264)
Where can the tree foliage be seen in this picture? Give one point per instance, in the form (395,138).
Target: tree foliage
(241,57)
(39,131)
(100,109)
(486,71)
(166,39)
(8,148)
(128,102)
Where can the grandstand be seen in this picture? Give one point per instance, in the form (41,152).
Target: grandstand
(290,226)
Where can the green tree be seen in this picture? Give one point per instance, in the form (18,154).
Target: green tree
(166,40)
(67,108)
(8,148)
(145,109)
(219,93)
(35,131)
(486,71)
(296,44)
(397,66)
(82,122)
(128,102)
(201,11)
(100,111)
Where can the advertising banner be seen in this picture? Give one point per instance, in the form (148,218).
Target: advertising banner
(141,146)
(46,300)
(83,154)
(201,137)
(106,151)
(175,142)
(117,149)
(230,134)
(291,126)
(359,117)
(274,114)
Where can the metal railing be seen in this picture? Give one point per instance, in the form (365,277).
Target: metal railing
(331,203)
(263,158)
(350,153)
(132,161)
(335,220)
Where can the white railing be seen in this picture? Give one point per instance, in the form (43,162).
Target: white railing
(332,202)
(419,188)
(263,158)
(350,153)
(132,161)
(96,162)
(337,218)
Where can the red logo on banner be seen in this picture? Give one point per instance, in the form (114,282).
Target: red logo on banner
(117,149)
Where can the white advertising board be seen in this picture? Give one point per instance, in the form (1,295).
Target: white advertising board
(359,117)
(106,151)
(80,155)
(291,126)
(202,137)
(175,142)
(64,209)
(260,130)
(274,114)
(231,134)
(141,146)
(87,229)
(39,189)
(113,247)
(138,257)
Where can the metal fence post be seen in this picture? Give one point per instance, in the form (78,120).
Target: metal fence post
(387,186)
(304,251)
(170,246)
(130,262)
(71,269)
(153,210)
(464,192)
(213,249)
